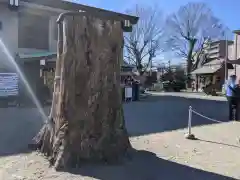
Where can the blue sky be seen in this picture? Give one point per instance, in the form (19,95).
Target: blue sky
(227,10)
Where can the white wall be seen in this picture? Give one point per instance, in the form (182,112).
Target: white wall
(231,51)
(234,53)
(8,33)
(9,19)
(33,11)
(52,40)
(237,55)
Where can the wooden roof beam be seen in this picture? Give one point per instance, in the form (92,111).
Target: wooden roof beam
(69,6)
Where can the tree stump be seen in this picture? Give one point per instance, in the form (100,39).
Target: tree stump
(87,121)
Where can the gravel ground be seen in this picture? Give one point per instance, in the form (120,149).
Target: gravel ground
(156,126)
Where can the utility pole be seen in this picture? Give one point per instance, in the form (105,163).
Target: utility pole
(169,64)
(226,57)
(236,55)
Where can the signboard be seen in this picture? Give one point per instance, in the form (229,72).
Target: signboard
(8,84)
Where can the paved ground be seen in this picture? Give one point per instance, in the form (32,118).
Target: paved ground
(194,95)
(169,111)
(156,126)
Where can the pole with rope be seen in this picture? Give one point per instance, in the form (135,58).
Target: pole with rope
(189,134)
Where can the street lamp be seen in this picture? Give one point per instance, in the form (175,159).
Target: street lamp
(224,34)
(235,52)
(152,55)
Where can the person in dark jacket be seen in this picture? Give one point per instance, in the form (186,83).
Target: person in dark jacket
(232,96)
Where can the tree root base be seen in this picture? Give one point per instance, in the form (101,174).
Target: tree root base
(62,157)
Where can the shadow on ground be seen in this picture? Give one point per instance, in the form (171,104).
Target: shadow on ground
(146,165)
(17,127)
(158,114)
(153,115)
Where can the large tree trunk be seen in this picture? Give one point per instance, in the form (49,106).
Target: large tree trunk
(87,117)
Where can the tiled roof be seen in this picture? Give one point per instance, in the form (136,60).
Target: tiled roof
(207,69)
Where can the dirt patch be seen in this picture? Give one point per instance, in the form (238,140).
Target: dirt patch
(167,156)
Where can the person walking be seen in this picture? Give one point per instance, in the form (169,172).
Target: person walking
(232,94)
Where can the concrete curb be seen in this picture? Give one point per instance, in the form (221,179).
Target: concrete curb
(188,95)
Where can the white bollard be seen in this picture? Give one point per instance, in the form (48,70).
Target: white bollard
(189,120)
(189,135)
(128,93)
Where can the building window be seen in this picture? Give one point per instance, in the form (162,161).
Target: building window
(33,31)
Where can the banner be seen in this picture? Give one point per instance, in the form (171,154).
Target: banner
(9,84)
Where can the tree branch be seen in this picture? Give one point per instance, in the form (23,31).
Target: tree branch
(146,35)
(193,22)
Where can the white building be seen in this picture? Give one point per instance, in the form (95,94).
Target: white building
(28,29)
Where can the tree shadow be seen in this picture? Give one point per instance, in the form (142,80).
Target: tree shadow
(153,115)
(145,165)
(17,128)
(158,114)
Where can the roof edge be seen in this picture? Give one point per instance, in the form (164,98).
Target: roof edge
(71,6)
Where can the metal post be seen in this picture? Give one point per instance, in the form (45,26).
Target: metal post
(236,55)
(189,135)
(189,120)
(226,58)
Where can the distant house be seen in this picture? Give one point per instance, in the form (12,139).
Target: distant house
(211,67)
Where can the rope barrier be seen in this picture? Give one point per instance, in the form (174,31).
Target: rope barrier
(210,119)
(189,135)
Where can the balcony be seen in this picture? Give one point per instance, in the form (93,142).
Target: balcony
(213,55)
(214,45)
(213,51)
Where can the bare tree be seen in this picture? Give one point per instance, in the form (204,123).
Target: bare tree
(144,42)
(190,30)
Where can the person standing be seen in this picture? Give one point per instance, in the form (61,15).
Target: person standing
(193,85)
(232,96)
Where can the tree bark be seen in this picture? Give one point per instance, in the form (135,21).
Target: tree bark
(87,116)
(191,44)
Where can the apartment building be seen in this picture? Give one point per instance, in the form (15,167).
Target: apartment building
(213,69)
(217,49)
